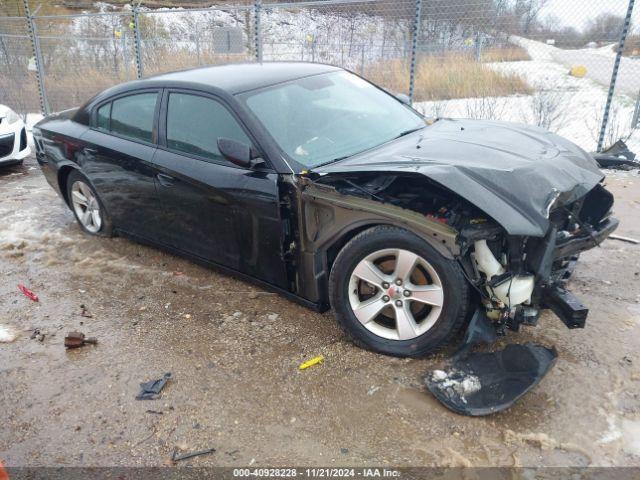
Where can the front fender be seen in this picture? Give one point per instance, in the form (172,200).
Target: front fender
(329,218)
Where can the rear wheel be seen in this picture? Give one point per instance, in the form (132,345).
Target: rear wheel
(86,206)
(395,294)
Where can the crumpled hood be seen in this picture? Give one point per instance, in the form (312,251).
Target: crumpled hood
(512,172)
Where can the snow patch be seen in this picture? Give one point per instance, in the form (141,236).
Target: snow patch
(7,334)
(457,383)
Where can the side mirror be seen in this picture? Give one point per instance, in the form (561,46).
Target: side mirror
(404,98)
(237,153)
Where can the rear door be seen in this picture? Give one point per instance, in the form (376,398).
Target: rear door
(215,209)
(117,158)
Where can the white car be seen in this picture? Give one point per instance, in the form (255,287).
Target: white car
(13,137)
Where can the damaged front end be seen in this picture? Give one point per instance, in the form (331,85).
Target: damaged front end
(518,276)
(515,276)
(514,205)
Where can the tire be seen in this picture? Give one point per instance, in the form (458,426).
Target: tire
(98,222)
(433,325)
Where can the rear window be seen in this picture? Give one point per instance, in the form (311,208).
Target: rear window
(104,113)
(133,116)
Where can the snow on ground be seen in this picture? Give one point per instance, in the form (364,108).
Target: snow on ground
(574,106)
(338,36)
(598,62)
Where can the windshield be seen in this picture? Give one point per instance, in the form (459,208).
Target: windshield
(323,118)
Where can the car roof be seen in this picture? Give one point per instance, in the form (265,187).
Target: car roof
(241,77)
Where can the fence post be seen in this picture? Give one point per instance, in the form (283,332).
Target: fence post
(478,47)
(414,48)
(257,34)
(138,48)
(614,75)
(636,114)
(37,55)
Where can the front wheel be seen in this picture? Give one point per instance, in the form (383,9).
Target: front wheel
(395,294)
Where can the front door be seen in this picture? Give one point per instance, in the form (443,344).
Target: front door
(214,209)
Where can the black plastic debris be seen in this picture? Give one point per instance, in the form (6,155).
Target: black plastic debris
(37,335)
(151,390)
(489,382)
(176,458)
(480,330)
(618,156)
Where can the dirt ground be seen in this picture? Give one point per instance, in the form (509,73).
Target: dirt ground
(233,351)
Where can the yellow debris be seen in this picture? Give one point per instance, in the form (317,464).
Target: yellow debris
(312,362)
(578,71)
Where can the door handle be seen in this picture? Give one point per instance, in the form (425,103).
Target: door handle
(165,180)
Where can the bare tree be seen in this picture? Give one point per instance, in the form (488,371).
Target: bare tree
(528,11)
(485,108)
(547,110)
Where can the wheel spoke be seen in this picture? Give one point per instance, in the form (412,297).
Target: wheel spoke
(429,294)
(405,263)
(369,309)
(405,323)
(368,272)
(95,217)
(86,191)
(86,217)
(79,198)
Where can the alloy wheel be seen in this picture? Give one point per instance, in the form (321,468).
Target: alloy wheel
(86,206)
(396,294)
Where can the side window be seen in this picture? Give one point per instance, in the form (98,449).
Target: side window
(102,120)
(195,123)
(132,116)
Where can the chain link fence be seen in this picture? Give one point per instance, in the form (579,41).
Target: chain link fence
(173,40)
(533,61)
(18,84)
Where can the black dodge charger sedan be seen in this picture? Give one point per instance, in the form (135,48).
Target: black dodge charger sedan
(312,181)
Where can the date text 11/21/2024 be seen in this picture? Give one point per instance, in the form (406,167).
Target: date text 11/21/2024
(317,472)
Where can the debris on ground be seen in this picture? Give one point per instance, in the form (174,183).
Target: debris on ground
(155,412)
(7,334)
(373,390)
(480,331)
(84,312)
(624,239)
(28,292)
(488,382)
(77,340)
(37,335)
(176,458)
(3,473)
(151,390)
(312,362)
(618,157)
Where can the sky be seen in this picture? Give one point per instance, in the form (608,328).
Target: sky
(577,13)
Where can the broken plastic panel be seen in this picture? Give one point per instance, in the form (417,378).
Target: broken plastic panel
(489,382)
